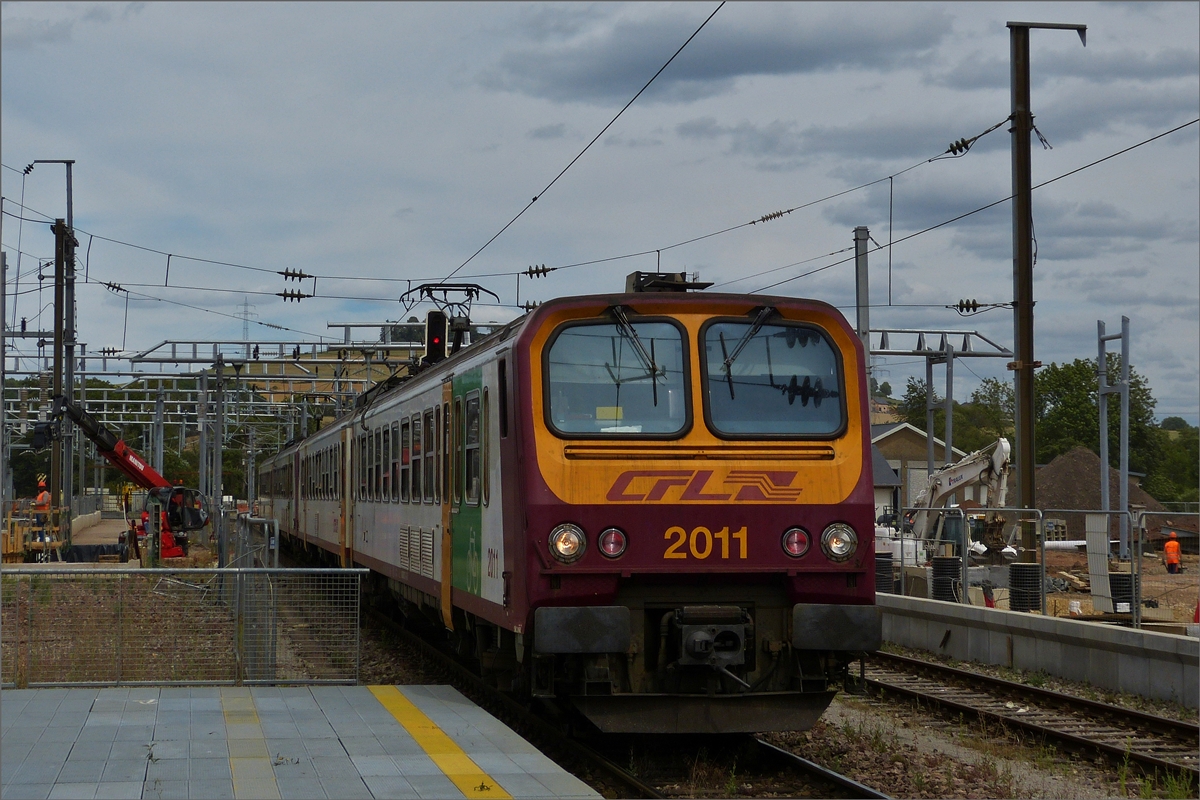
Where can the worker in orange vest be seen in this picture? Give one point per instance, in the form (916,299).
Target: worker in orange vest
(1171,553)
(41,505)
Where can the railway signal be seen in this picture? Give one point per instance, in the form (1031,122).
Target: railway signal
(436,324)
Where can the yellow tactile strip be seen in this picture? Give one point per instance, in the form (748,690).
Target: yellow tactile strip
(444,751)
(249,761)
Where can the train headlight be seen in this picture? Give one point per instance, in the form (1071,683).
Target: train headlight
(795,542)
(839,541)
(612,542)
(567,542)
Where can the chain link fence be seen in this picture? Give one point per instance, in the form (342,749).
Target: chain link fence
(101,627)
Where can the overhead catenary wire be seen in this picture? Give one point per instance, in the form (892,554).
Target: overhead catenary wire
(607,259)
(989,205)
(589,144)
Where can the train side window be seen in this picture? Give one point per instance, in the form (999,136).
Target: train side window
(337,471)
(457,447)
(472,448)
(379,460)
(385,466)
(430,466)
(395,462)
(373,465)
(502,388)
(417,459)
(486,418)
(362,466)
(405,459)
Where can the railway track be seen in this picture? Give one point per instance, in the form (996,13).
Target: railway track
(1154,745)
(664,768)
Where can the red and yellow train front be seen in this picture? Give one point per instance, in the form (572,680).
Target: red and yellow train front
(698,504)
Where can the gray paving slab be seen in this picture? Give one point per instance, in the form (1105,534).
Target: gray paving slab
(130,790)
(97,733)
(123,770)
(346,787)
(434,786)
(522,784)
(169,749)
(81,772)
(35,771)
(73,791)
(395,788)
(209,769)
(167,769)
(300,789)
(139,733)
(375,765)
(27,791)
(208,748)
(334,767)
(175,790)
(362,746)
(210,789)
(304,742)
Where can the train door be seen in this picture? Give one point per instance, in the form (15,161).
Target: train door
(345,504)
(443,470)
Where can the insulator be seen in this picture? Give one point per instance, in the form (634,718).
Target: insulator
(961,146)
(771,216)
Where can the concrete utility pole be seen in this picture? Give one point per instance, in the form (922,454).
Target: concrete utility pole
(1022,189)
(4,474)
(61,233)
(218,444)
(862,294)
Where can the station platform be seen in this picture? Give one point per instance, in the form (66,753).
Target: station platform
(266,742)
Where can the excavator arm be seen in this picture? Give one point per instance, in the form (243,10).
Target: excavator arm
(183,508)
(119,454)
(988,466)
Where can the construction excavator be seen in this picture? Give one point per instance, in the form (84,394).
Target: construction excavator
(178,510)
(989,467)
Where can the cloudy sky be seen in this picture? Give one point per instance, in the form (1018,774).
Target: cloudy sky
(378,144)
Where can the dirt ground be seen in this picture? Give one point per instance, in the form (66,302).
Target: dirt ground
(1176,595)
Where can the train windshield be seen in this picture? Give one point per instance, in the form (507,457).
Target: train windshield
(776,379)
(617,379)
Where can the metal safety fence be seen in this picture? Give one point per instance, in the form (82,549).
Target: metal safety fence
(108,627)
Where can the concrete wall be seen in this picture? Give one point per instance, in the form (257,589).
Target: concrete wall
(85,521)
(1150,664)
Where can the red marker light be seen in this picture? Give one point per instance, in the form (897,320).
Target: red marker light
(612,542)
(795,542)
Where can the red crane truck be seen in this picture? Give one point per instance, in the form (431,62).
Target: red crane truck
(180,510)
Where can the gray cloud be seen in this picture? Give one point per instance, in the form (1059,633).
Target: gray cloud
(20,33)
(604,63)
(555,131)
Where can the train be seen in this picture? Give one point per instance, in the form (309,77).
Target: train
(652,508)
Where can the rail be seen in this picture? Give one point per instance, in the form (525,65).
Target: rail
(1153,743)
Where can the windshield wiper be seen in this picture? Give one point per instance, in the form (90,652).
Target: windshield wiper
(764,313)
(647,358)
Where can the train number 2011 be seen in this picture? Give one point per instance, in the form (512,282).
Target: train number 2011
(700,542)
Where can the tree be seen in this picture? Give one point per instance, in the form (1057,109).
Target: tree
(885,389)
(1174,424)
(1068,414)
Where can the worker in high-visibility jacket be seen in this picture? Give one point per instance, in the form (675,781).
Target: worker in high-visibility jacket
(41,505)
(1171,553)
